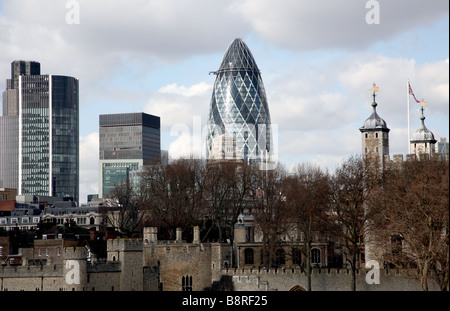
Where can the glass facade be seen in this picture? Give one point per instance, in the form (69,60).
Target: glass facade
(41,131)
(65,137)
(116,173)
(130,136)
(127,141)
(239,105)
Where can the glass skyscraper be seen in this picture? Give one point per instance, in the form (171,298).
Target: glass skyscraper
(127,142)
(39,136)
(239,106)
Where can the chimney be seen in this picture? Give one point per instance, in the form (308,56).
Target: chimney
(196,235)
(150,235)
(179,235)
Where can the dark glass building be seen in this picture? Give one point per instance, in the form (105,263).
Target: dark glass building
(39,133)
(127,142)
(239,106)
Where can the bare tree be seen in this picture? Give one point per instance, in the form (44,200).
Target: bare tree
(174,194)
(411,218)
(269,210)
(307,197)
(124,210)
(349,191)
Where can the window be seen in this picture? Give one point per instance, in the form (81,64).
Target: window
(315,256)
(366,135)
(376,135)
(14,220)
(35,220)
(248,255)
(376,149)
(296,256)
(280,257)
(186,283)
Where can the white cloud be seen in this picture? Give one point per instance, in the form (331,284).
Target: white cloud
(89,151)
(308,25)
(187,146)
(180,104)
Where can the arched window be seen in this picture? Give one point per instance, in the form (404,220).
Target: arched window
(315,256)
(249,256)
(280,257)
(92,221)
(296,256)
(186,283)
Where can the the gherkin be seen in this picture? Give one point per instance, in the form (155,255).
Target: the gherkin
(239,105)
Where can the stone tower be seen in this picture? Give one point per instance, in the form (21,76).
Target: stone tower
(422,141)
(375,146)
(375,135)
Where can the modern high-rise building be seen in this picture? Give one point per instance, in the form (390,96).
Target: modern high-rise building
(239,105)
(39,133)
(127,142)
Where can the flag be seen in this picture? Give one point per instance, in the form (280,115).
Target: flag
(411,93)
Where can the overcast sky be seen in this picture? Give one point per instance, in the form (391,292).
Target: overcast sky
(318,61)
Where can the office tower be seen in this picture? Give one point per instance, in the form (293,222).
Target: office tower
(127,142)
(39,133)
(239,105)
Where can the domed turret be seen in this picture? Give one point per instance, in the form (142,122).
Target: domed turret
(374,122)
(422,141)
(423,134)
(375,134)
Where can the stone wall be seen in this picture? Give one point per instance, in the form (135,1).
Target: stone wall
(321,280)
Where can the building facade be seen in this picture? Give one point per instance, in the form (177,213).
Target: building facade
(375,136)
(422,141)
(239,105)
(127,142)
(40,133)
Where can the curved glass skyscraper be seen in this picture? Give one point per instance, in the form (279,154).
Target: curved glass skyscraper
(239,106)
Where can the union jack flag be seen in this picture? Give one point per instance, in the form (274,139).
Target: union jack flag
(411,93)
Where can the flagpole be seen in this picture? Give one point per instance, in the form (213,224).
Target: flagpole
(407,96)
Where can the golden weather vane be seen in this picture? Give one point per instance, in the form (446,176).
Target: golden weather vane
(375,88)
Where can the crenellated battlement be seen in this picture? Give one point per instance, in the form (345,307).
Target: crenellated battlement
(74,253)
(315,271)
(31,271)
(121,245)
(399,158)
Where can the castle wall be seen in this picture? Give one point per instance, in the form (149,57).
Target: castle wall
(177,260)
(322,280)
(129,253)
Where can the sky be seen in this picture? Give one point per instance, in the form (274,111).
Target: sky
(318,61)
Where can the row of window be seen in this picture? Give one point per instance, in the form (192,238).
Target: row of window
(376,135)
(15,220)
(280,256)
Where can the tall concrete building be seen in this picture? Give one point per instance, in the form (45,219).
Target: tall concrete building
(127,142)
(239,105)
(39,133)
